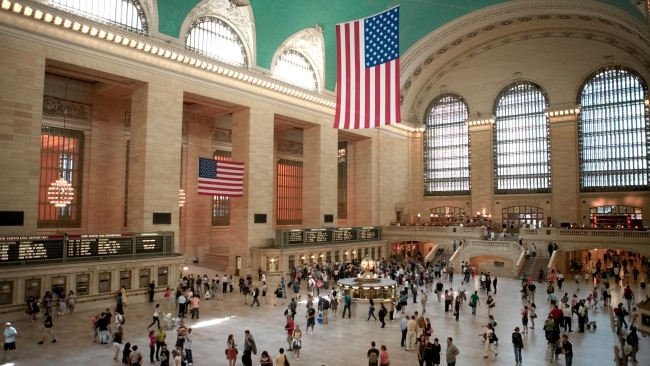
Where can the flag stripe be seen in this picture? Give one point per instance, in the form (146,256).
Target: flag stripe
(220,178)
(368,72)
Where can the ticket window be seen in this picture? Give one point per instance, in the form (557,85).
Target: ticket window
(58,286)
(6,292)
(104,284)
(328,257)
(144,277)
(33,288)
(163,276)
(82,284)
(125,279)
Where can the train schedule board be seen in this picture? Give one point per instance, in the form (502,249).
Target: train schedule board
(29,248)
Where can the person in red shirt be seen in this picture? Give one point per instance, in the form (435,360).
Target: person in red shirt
(289,328)
(557,316)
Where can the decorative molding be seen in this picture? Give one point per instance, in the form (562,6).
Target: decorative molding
(221,135)
(127,119)
(53,106)
(310,43)
(240,17)
(292,147)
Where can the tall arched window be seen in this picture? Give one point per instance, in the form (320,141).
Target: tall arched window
(522,161)
(214,38)
(294,68)
(446,147)
(613,130)
(123,14)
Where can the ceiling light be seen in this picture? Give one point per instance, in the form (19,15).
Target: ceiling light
(67,23)
(102,34)
(58,20)
(85,29)
(38,15)
(6,4)
(28,11)
(48,17)
(76,26)
(110,36)
(17,8)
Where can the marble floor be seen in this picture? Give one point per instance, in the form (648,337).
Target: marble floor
(341,342)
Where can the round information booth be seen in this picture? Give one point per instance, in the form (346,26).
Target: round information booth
(367,286)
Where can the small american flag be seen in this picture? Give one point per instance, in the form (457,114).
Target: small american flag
(220,178)
(367,89)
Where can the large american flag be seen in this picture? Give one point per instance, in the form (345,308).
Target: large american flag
(220,178)
(367,90)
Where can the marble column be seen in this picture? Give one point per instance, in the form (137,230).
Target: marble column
(320,179)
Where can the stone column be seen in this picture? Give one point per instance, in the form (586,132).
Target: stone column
(482,165)
(320,180)
(565,165)
(155,156)
(252,144)
(21,114)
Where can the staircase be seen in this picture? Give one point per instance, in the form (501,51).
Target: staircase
(532,266)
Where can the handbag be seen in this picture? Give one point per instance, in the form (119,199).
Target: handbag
(286,361)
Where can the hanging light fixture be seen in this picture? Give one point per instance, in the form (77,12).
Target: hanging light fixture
(60,193)
(181,197)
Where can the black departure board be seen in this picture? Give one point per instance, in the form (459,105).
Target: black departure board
(318,235)
(329,235)
(295,237)
(28,248)
(368,233)
(344,234)
(148,244)
(99,245)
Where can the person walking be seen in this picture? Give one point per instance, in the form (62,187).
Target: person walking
(72,300)
(474,302)
(156,317)
(311,318)
(47,327)
(347,301)
(371,310)
(196,300)
(382,315)
(152,290)
(126,352)
(256,296)
(290,327)
(452,352)
(517,344)
(432,353)
(457,302)
(10,334)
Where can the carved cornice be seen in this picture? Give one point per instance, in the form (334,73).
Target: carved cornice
(221,135)
(56,107)
(291,147)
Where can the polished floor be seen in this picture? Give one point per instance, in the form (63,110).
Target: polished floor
(341,342)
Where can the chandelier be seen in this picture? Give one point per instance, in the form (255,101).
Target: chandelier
(60,193)
(181,197)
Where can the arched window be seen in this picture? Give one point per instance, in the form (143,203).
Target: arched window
(294,68)
(214,38)
(123,14)
(613,129)
(521,140)
(446,147)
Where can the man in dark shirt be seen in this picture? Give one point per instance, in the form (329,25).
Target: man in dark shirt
(164,355)
(373,360)
(48,325)
(567,350)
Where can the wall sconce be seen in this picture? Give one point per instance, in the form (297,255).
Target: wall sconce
(346,252)
(303,258)
(419,215)
(272,260)
(313,256)
(321,255)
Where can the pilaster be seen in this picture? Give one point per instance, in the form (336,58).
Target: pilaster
(481,163)
(155,156)
(320,180)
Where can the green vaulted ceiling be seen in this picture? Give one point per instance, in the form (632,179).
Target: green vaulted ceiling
(277,20)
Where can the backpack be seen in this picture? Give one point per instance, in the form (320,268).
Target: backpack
(373,358)
(326,304)
(517,340)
